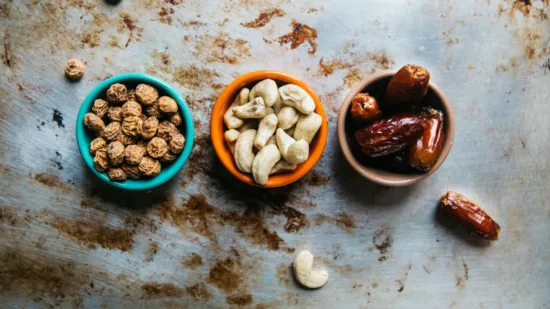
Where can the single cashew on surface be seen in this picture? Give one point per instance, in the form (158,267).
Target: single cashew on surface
(267,127)
(266,89)
(288,117)
(306,274)
(307,127)
(231,121)
(264,162)
(254,109)
(296,97)
(244,154)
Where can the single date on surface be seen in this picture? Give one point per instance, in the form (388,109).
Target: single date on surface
(389,135)
(468,214)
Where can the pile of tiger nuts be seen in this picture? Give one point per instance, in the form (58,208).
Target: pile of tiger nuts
(136,132)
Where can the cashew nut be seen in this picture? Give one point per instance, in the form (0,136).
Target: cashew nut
(254,109)
(305,274)
(248,125)
(307,127)
(296,97)
(267,89)
(267,127)
(231,135)
(283,166)
(288,117)
(293,151)
(244,155)
(264,162)
(229,118)
(278,104)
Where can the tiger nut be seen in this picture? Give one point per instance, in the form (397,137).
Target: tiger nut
(112,131)
(96,144)
(100,108)
(117,93)
(168,157)
(133,154)
(176,119)
(115,113)
(142,144)
(150,127)
(115,151)
(131,108)
(131,96)
(126,140)
(149,166)
(116,174)
(101,160)
(176,143)
(74,69)
(146,94)
(153,110)
(157,147)
(94,123)
(132,126)
(131,171)
(166,130)
(167,105)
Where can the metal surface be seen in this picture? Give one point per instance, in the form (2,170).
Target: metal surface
(205,241)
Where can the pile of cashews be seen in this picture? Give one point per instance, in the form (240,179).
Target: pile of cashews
(269,129)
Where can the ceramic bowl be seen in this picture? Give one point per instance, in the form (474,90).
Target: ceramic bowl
(131,80)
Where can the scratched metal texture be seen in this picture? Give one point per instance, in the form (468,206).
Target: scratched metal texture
(205,241)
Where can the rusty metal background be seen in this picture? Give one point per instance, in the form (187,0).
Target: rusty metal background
(206,241)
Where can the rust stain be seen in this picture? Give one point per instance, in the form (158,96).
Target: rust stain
(160,290)
(240,300)
(382,240)
(226,275)
(199,291)
(6,57)
(284,273)
(40,277)
(204,219)
(264,18)
(299,35)
(152,251)
(51,181)
(295,220)
(317,179)
(198,161)
(342,220)
(221,48)
(195,78)
(194,23)
(193,261)
(131,25)
(401,282)
(164,15)
(9,216)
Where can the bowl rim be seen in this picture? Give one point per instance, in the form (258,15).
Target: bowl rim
(346,149)
(168,172)
(217,125)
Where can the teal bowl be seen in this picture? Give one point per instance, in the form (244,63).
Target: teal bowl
(131,80)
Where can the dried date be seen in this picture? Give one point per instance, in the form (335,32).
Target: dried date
(407,87)
(389,135)
(468,214)
(424,153)
(365,109)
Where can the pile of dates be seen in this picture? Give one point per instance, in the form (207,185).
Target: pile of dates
(398,133)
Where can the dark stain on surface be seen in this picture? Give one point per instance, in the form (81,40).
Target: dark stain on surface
(382,240)
(299,35)
(240,300)
(199,291)
(6,57)
(10,216)
(130,24)
(226,275)
(295,220)
(164,15)
(195,78)
(466,270)
(264,18)
(56,162)
(427,270)
(342,220)
(161,290)
(57,117)
(50,181)
(193,261)
(317,179)
(152,251)
(401,282)
(284,273)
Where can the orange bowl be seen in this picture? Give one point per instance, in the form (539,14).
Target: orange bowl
(217,128)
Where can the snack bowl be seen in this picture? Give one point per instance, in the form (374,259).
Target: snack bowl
(131,80)
(375,85)
(217,128)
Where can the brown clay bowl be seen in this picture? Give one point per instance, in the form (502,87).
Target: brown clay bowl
(376,85)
